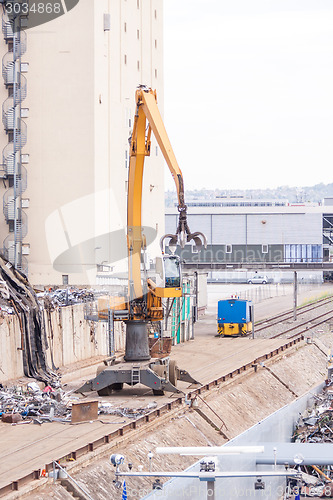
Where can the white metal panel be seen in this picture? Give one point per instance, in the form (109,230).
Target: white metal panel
(229,229)
(202,223)
(304,228)
(284,229)
(265,229)
(254,229)
(170,224)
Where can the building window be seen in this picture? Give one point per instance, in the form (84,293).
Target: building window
(107,22)
(138,34)
(138,65)
(138,4)
(125,27)
(155,73)
(65,279)
(125,59)
(155,44)
(156,150)
(24,67)
(303,253)
(155,14)
(264,248)
(25,249)
(228,249)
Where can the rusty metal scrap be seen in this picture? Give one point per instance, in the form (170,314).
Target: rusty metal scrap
(34,405)
(315,425)
(52,299)
(22,298)
(109,409)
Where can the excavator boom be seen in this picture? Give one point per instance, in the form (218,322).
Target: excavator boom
(144,301)
(147,111)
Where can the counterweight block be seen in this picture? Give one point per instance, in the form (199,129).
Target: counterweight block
(137,347)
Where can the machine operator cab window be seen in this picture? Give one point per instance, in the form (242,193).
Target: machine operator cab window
(168,271)
(172,271)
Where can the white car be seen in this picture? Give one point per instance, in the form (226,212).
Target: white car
(258,279)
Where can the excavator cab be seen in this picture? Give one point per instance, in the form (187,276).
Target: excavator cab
(168,271)
(172,271)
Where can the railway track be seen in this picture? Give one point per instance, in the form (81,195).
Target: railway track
(275,320)
(301,329)
(327,317)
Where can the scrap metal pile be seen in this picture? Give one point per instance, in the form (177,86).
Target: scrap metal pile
(18,297)
(31,404)
(109,409)
(315,425)
(22,298)
(34,405)
(66,297)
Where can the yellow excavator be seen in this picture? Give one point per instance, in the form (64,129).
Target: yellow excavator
(144,301)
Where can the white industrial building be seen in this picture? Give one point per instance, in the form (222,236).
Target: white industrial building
(68,106)
(271,231)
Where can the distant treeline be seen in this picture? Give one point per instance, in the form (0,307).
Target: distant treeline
(312,194)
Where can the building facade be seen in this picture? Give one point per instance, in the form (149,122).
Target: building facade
(258,232)
(68,108)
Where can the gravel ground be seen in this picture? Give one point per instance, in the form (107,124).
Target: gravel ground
(308,317)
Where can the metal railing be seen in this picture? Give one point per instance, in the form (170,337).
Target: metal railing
(56,466)
(8,68)
(8,114)
(16,129)
(7,28)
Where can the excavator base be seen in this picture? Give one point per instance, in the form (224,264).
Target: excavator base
(159,374)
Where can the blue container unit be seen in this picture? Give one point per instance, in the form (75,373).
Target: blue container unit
(234,317)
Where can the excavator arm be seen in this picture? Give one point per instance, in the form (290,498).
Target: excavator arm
(147,111)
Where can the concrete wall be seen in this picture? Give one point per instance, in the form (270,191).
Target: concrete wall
(71,339)
(11,365)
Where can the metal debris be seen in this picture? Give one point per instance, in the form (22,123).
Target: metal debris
(31,404)
(108,409)
(315,425)
(17,293)
(65,297)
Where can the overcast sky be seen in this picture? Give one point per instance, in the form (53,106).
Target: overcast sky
(249,91)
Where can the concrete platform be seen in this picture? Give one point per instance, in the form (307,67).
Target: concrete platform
(26,448)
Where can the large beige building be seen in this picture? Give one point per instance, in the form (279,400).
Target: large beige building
(68,95)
